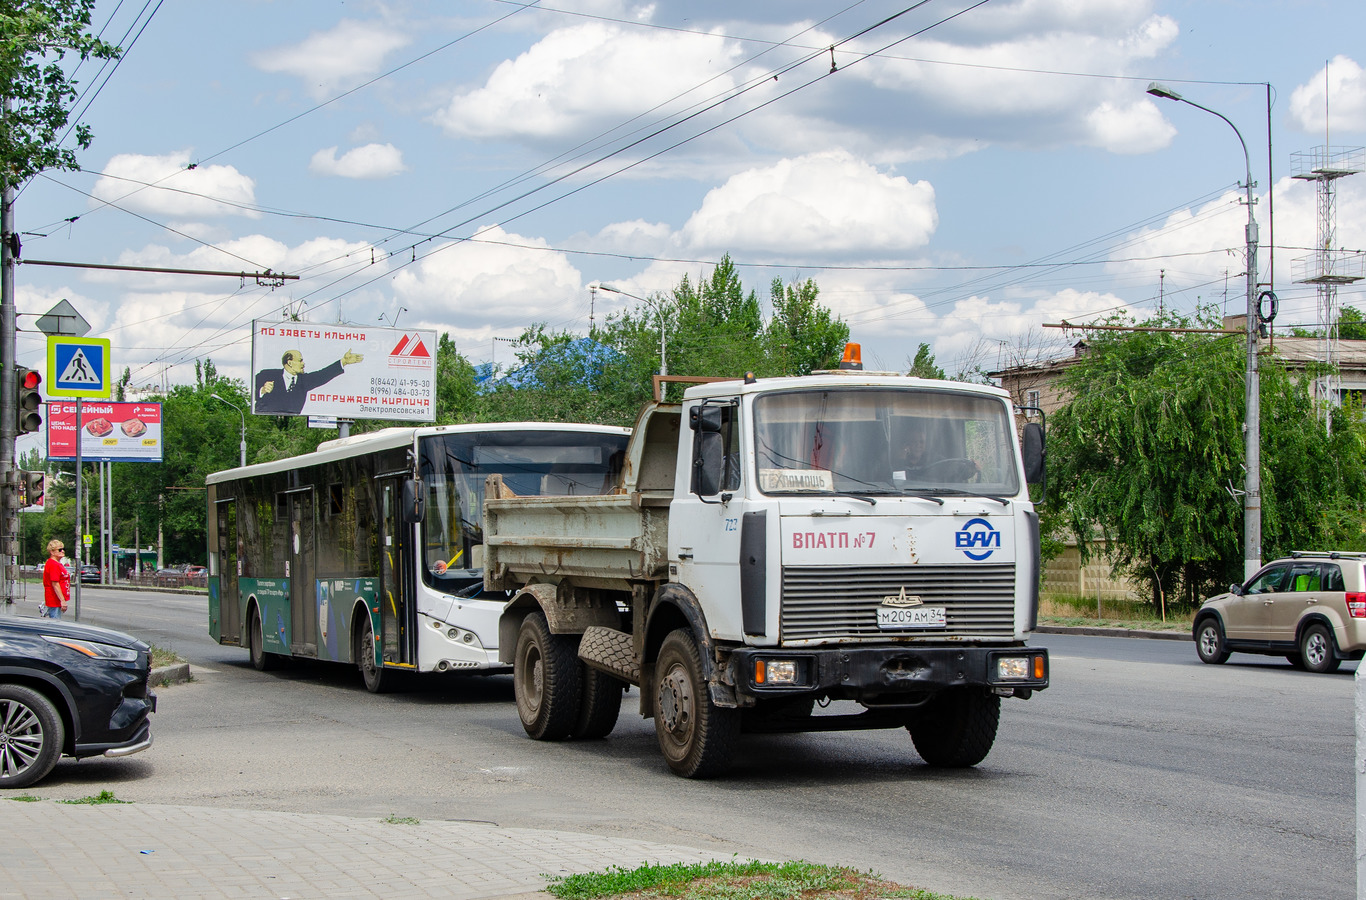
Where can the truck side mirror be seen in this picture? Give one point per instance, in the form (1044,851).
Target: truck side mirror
(708,461)
(1032,447)
(414,504)
(705,419)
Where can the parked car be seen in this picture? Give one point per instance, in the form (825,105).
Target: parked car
(1309,608)
(69,689)
(196,572)
(90,573)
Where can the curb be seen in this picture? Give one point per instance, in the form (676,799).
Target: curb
(174,674)
(1097,631)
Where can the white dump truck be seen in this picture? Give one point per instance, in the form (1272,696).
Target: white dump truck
(775,545)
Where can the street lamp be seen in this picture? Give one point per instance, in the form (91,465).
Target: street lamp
(244,425)
(659,310)
(1252,486)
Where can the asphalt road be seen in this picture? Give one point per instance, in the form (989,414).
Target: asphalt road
(1140,774)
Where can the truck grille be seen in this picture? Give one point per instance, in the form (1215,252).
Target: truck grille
(840,603)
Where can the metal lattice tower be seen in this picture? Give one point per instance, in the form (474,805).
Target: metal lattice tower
(1328,267)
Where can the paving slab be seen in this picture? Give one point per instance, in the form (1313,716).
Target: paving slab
(58,850)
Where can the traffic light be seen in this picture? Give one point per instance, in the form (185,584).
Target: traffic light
(29,403)
(32,485)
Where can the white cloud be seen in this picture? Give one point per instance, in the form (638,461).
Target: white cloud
(331,61)
(587,77)
(176,191)
(1346,106)
(369,161)
(827,202)
(1133,128)
(482,287)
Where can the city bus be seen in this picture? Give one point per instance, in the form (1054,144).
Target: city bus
(369,551)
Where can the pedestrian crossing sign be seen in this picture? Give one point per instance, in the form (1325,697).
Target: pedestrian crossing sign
(77,367)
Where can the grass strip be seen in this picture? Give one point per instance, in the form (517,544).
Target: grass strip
(734,880)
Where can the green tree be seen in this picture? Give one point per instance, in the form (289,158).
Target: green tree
(803,335)
(1146,452)
(1351,324)
(35,38)
(922,366)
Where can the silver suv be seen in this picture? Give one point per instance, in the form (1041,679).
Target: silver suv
(1311,608)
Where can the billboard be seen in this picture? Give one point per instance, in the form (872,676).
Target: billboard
(110,432)
(347,371)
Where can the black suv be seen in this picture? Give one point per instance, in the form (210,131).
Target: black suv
(69,689)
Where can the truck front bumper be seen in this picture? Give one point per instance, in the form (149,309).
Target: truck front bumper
(885,675)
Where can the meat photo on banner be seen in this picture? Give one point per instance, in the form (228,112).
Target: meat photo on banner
(347,371)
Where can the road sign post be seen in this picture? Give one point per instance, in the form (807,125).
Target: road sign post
(78,367)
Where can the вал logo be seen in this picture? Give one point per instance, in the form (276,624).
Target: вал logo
(977,534)
(410,352)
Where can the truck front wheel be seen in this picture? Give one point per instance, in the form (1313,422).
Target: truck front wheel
(697,737)
(545,680)
(958,728)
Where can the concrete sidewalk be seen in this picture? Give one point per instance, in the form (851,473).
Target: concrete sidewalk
(61,850)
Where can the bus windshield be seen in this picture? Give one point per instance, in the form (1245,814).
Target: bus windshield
(885,441)
(533,463)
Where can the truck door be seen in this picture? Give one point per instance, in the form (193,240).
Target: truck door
(704,531)
(396,587)
(303,603)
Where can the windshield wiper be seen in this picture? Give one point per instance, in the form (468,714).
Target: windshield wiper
(958,492)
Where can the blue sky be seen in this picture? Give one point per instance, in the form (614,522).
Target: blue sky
(952,150)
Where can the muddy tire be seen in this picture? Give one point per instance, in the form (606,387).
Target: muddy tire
(599,704)
(698,738)
(546,678)
(958,729)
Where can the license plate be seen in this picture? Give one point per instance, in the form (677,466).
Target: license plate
(914,617)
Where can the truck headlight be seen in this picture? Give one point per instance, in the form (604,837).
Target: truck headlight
(1012,668)
(775,671)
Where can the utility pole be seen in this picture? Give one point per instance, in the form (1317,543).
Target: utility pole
(9,515)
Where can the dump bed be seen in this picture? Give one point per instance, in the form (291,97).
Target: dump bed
(606,541)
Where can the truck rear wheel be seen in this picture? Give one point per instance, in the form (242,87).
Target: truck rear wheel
(697,737)
(545,680)
(958,729)
(599,704)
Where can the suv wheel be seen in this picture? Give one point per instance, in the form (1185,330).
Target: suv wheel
(1316,649)
(1209,641)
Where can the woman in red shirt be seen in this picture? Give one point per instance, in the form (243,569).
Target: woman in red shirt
(56,583)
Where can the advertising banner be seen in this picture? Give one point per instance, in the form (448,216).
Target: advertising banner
(347,371)
(110,432)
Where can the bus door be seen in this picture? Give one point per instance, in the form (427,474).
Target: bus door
(229,618)
(396,612)
(302,556)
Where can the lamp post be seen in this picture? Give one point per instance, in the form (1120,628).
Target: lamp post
(659,311)
(244,425)
(1252,486)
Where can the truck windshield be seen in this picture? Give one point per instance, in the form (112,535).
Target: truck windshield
(532,463)
(885,441)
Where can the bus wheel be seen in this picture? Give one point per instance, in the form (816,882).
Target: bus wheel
(958,728)
(697,737)
(260,659)
(377,680)
(599,704)
(545,679)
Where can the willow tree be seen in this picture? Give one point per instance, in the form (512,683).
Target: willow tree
(1149,455)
